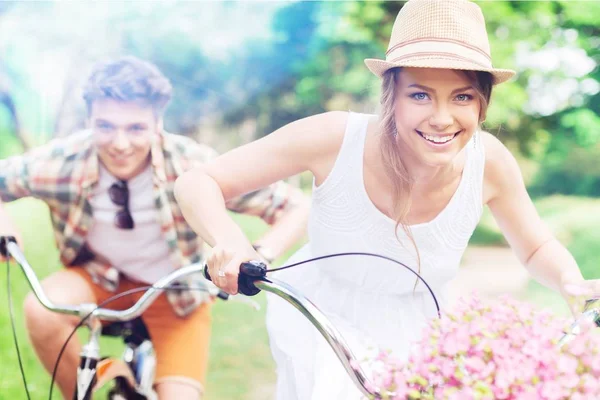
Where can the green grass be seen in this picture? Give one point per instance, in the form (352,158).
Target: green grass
(240,360)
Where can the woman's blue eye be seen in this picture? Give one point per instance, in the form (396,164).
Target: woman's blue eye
(464,97)
(419,96)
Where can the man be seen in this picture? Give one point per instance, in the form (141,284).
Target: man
(117,225)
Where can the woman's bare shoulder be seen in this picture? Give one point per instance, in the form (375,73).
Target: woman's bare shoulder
(320,136)
(502,172)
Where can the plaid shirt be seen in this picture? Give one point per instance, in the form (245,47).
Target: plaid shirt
(63,172)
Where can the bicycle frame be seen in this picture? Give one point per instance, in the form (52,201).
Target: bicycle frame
(90,354)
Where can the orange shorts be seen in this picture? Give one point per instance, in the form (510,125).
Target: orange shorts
(181,344)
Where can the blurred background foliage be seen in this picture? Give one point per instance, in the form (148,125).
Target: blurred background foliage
(241,70)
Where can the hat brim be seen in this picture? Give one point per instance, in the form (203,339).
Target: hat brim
(378,67)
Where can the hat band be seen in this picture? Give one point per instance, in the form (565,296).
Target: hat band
(430,49)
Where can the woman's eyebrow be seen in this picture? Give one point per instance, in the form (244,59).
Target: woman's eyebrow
(463,89)
(429,89)
(422,87)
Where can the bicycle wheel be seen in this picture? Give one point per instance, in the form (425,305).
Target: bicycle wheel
(122,390)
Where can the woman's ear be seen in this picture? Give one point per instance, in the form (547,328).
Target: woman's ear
(482,115)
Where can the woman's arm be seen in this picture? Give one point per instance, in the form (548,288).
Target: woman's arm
(546,259)
(308,144)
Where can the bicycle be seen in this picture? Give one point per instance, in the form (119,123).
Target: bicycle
(253,278)
(136,379)
(133,373)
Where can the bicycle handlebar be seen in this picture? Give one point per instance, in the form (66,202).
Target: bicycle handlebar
(590,315)
(252,279)
(10,247)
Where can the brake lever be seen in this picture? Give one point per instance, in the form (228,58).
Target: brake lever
(250,271)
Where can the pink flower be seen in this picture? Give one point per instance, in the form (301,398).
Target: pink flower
(501,350)
(566,363)
(552,391)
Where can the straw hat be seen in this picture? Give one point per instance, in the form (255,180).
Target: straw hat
(447,34)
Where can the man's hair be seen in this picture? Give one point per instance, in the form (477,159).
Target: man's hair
(128,79)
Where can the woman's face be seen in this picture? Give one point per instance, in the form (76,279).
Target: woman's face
(436,114)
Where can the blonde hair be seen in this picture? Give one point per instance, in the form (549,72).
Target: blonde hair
(396,170)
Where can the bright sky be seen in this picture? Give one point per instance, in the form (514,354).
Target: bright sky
(228,24)
(219,28)
(49,35)
(216,26)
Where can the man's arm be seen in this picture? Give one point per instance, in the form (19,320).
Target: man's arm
(282,206)
(14,176)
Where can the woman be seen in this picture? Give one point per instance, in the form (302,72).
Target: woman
(410,184)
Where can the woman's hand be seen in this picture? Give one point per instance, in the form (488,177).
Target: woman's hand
(577,291)
(224,265)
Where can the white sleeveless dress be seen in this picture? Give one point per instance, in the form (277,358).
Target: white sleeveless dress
(373,302)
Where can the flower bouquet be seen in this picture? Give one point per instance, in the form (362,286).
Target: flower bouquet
(501,350)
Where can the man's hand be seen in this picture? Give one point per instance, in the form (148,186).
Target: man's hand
(4,240)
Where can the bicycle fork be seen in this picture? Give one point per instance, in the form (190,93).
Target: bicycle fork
(90,354)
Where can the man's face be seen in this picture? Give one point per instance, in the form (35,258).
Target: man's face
(123,133)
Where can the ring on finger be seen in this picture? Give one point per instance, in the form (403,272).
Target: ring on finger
(221,273)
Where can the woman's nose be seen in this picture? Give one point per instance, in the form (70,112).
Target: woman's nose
(441,118)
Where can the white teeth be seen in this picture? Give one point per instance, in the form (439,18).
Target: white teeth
(438,139)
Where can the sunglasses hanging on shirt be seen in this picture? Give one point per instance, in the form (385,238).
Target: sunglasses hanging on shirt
(119,195)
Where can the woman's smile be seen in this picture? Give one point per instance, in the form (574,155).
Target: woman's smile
(438,139)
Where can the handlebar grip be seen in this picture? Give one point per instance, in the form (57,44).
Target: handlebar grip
(249,272)
(4,241)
